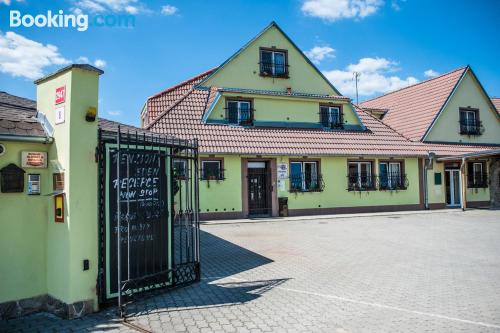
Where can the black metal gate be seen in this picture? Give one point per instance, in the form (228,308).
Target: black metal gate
(259,190)
(149,223)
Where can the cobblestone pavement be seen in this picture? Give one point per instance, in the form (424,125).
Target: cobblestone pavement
(415,273)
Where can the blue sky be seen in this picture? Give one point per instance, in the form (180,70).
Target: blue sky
(392,43)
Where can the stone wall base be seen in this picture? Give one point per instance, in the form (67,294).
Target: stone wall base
(46,303)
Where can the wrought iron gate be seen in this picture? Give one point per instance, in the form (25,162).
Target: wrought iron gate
(149,223)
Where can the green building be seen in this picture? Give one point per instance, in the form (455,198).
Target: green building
(273,129)
(274,137)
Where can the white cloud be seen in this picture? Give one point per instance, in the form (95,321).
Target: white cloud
(375,77)
(8,2)
(333,10)
(100,63)
(114,113)
(85,60)
(430,73)
(395,4)
(169,10)
(118,6)
(319,53)
(23,57)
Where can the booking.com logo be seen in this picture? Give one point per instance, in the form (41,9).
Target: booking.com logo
(61,20)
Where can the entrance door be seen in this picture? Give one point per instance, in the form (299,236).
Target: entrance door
(453,195)
(258,189)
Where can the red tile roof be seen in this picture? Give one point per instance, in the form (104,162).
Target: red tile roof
(496,103)
(183,118)
(166,98)
(412,109)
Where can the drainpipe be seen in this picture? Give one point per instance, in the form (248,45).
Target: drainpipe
(462,185)
(427,164)
(26,138)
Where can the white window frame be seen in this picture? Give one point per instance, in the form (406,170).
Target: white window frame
(474,165)
(470,124)
(184,162)
(273,61)
(369,173)
(238,106)
(303,173)
(203,162)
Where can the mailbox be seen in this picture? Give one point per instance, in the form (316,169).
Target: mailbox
(59,208)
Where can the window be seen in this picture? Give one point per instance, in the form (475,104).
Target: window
(239,112)
(477,176)
(211,170)
(469,121)
(304,176)
(360,176)
(273,62)
(331,116)
(391,176)
(179,168)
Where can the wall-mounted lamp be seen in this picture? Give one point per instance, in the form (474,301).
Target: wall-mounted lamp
(91,114)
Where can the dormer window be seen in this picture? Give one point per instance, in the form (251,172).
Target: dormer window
(331,116)
(273,62)
(239,111)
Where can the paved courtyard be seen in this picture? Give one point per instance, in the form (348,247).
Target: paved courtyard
(436,272)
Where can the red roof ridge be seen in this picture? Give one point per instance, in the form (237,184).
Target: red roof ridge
(418,83)
(194,78)
(161,114)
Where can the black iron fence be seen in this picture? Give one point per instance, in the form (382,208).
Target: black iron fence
(239,116)
(303,182)
(273,69)
(331,120)
(477,180)
(392,181)
(471,127)
(371,182)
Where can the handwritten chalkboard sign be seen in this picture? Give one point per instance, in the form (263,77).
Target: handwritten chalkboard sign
(144,228)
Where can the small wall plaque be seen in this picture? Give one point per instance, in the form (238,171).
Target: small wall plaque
(34,159)
(59,113)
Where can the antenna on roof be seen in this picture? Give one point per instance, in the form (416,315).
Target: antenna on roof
(356,76)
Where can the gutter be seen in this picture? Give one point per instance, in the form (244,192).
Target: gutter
(426,188)
(26,138)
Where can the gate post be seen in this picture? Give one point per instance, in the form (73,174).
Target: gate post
(69,100)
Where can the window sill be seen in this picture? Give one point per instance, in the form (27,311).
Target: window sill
(283,76)
(304,191)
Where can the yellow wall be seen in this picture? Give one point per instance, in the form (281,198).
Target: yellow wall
(286,109)
(24,231)
(227,193)
(437,193)
(468,94)
(243,71)
(223,195)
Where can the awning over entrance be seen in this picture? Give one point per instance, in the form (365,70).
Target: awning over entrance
(493,170)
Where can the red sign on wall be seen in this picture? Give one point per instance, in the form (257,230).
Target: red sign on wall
(60,95)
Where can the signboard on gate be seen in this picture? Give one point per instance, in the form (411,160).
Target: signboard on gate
(282,170)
